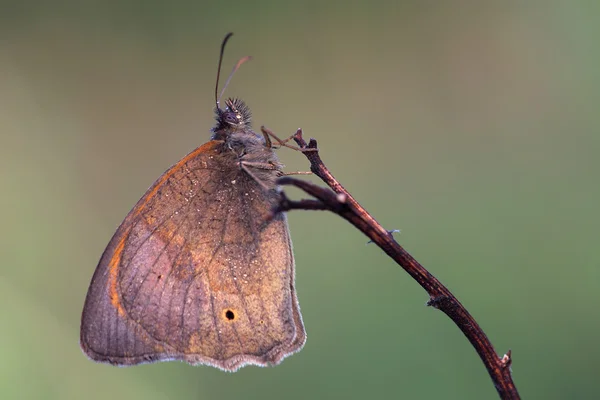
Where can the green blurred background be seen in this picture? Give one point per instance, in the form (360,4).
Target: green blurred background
(471,126)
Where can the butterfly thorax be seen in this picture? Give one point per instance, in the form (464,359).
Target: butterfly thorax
(246,147)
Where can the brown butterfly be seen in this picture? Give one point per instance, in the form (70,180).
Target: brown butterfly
(193,273)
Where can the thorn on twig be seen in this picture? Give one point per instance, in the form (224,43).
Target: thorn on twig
(437,302)
(389,232)
(298,136)
(507,359)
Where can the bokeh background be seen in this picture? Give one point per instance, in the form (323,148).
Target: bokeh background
(471,126)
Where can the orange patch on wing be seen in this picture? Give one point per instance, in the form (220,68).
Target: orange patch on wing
(206,147)
(113,269)
(116,258)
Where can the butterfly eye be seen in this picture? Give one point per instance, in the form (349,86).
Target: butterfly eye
(232,118)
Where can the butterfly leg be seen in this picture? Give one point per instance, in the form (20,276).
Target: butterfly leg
(268,134)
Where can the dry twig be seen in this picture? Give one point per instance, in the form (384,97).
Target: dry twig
(339,201)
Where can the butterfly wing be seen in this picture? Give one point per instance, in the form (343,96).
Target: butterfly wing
(193,274)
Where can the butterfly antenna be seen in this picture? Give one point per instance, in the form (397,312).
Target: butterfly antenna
(230,34)
(235,68)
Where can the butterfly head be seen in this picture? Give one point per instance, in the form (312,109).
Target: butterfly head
(235,117)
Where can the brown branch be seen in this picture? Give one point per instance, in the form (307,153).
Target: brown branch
(342,203)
